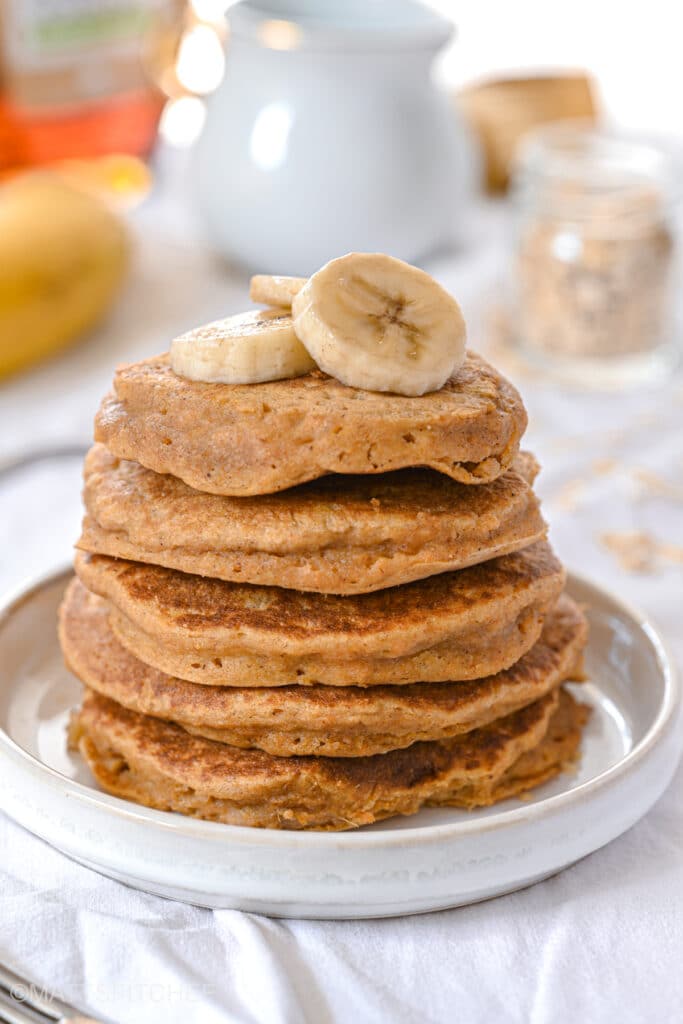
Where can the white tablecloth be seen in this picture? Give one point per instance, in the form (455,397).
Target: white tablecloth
(601,942)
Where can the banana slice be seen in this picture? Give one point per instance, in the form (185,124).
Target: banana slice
(245,349)
(275,291)
(377,323)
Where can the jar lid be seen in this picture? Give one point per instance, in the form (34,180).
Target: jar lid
(328,24)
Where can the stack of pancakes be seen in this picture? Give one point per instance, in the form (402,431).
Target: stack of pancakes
(304,605)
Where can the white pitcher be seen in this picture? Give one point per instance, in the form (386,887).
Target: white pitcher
(328,134)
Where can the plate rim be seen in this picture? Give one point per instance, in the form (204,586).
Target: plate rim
(356,839)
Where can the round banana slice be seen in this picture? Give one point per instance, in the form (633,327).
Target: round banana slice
(275,291)
(375,322)
(245,349)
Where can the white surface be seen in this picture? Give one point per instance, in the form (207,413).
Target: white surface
(601,942)
(439,858)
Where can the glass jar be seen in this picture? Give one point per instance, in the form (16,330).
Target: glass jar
(594,260)
(78,78)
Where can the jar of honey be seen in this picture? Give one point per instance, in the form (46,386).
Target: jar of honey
(78,77)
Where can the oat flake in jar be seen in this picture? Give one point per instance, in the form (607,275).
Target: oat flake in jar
(594,263)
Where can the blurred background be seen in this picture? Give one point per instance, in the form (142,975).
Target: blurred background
(153,153)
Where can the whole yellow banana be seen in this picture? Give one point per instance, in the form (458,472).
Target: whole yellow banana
(63,255)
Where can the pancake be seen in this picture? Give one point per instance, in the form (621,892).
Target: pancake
(458,625)
(161,765)
(467,657)
(320,720)
(245,439)
(336,535)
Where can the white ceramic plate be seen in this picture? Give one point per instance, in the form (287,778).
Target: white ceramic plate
(438,858)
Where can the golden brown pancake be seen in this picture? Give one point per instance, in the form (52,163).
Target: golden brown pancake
(458,625)
(242,439)
(335,535)
(469,657)
(161,765)
(328,721)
